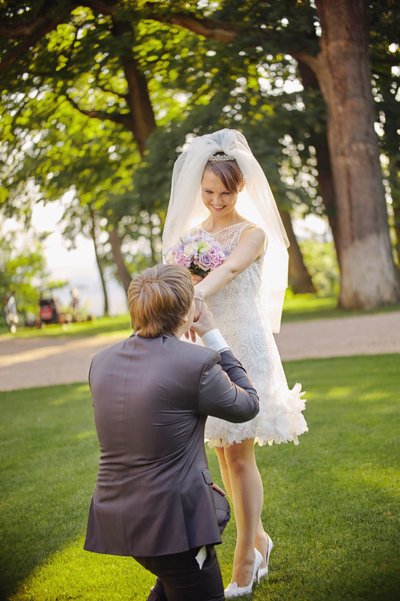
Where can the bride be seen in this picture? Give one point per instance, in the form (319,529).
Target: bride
(220,190)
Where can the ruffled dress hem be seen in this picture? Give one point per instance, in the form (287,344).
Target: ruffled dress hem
(280,424)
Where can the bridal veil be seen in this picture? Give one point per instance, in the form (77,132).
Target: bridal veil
(255,203)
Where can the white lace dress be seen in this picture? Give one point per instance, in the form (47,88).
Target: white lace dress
(237,313)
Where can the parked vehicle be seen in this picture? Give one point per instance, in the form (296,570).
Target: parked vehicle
(48,310)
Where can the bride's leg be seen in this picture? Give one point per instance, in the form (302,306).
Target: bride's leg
(261,541)
(223,468)
(247,497)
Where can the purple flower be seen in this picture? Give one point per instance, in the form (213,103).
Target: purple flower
(211,258)
(198,252)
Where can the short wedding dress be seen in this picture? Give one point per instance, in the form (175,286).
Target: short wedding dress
(238,315)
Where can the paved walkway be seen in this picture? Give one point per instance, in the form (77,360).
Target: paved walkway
(25,363)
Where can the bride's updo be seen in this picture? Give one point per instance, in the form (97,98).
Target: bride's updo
(226,168)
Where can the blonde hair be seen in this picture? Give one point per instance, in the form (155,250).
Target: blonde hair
(159,298)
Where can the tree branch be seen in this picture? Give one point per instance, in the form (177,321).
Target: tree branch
(101,6)
(209,28)
(313,62)
(222,31)
(13,56)
(47,20)
(109,91)
(118,118)
(23,29)
(46,14)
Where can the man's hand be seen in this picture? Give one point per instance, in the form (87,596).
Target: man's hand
(205,321)
(218,489)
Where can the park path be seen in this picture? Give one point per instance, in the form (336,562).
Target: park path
(25,363)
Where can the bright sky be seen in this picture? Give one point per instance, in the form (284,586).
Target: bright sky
(77,266)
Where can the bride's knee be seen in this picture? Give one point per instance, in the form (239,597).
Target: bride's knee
(237,464)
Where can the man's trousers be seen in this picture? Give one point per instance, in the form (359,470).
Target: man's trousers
(179,577)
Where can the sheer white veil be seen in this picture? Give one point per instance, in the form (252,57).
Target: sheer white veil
(255,203)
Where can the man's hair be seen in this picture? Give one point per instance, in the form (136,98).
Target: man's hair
(159,298)
(228,172)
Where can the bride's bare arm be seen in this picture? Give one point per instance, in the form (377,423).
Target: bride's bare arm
(251,245)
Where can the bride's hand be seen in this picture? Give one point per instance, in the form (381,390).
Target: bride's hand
(196,278)
(205,321)
(198,303)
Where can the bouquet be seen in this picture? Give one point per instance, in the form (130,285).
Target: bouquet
(198,252)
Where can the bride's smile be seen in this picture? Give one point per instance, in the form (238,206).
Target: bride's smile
(215,196)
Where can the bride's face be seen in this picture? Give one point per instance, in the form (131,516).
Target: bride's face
(215,196)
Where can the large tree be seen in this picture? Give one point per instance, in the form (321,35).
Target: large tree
(340,64)
(59,55)
(115,32)
(106,63)
(368,275)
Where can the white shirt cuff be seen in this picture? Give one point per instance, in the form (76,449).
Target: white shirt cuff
(215,341)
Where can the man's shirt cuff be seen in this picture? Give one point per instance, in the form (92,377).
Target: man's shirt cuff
(215,341)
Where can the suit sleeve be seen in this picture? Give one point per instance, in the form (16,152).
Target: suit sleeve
(226,391)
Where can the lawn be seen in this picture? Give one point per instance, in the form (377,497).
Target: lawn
(297,307)
(100,325)
(332,504)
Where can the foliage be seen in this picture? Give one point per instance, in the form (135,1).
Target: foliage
(327,500)
(322,265)
(104,83)
(22,271)
(385,59)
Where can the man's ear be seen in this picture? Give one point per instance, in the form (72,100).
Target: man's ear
(185,319)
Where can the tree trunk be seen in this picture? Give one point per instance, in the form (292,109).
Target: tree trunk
(141,110)
(122,269)
(299,278)
(141,115)
(326,186)
(394,168)
(368,274)
(93,230)
(324,167)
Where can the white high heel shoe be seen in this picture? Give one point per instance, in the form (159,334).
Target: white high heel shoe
(233,590)
(263,572)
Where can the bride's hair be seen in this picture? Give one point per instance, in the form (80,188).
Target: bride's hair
(255,203)
(227,170)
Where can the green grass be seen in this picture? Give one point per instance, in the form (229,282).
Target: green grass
(100,325)
(332,504)
(300,307)
(297,307)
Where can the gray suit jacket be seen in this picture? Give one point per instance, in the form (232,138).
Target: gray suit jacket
(151,398)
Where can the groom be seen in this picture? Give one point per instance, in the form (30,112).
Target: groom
(151,395)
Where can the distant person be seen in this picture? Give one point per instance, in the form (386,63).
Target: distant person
(10,312)
(75,298)
(152,394)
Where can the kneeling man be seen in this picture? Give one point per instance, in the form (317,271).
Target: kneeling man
(152,394)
